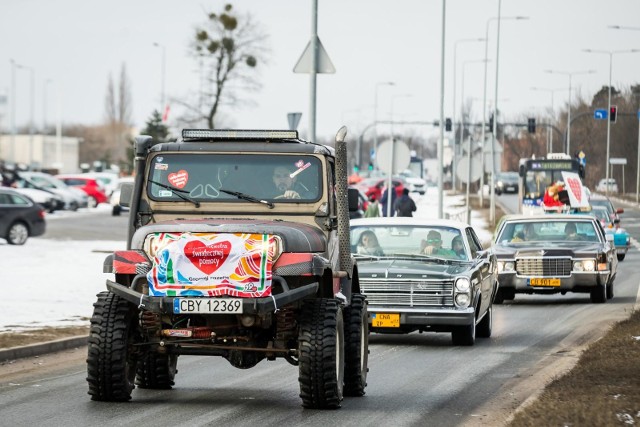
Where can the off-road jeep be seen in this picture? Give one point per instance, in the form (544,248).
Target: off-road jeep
(219,264)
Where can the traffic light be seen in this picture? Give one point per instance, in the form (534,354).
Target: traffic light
(356,168)
(491,123)
(531,125)
(613,113)
(370,166)
(447,125)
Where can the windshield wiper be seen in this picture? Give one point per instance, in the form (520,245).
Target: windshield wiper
(246,197)
(177,191)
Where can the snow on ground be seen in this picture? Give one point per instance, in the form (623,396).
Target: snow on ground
(54,283)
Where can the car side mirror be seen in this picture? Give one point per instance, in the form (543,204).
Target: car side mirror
(126,195)
(352,196)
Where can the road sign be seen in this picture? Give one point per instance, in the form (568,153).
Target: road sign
(617,161)
(325,66)
(401,156)
(600,114)
(294,120)
(462,168)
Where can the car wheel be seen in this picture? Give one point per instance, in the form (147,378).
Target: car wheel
(499,298)
(621,257)
(321,350)
(18,234)
(356,346)
(464,335)
(486,324)
(156,371)
(73,206)
(599,294)
(116,210)
(610,290)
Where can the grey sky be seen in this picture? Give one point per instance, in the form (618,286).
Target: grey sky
(77,43)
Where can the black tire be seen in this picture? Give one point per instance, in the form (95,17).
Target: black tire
(621,257)
(356,346)
(503,295)
(464,335)
(483,330)
(156,371)
(17,234)
(610,291)
(321,354)
(116,210)
(499,298)
(111,359)
(599,294)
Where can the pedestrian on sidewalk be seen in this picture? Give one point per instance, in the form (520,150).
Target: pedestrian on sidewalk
(405,206)
(385,199)
(373,210)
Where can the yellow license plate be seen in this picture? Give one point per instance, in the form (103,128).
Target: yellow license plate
(538,281)
(385,320)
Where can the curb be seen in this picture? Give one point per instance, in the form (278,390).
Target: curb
(42,348)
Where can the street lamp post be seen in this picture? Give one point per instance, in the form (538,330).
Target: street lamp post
(484,96)
(44,104)
(13,111)
(570,74)
(453,116)
(375,112)
(610,53)
(32,104)
(553,115)
(162,77)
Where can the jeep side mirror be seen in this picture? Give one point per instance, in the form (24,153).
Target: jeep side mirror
(352,195)
(126,195)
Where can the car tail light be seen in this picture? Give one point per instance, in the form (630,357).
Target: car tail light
(41,213)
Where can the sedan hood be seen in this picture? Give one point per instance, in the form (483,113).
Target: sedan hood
(410,269)
(538,249)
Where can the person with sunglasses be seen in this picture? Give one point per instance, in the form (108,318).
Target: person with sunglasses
(284,183)
(433,246)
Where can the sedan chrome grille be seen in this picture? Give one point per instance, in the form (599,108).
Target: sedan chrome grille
(544,267)
(419,293)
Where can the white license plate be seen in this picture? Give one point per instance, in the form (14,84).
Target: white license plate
(207,305)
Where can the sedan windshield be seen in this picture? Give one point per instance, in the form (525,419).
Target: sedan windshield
(522,232)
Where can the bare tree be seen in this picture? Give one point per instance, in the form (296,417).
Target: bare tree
(118,121)
(229,48)
(124,97)
(110,101)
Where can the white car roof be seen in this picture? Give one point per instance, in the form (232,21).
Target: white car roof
(420,222)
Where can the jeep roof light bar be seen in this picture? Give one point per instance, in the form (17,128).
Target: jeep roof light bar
(227,134)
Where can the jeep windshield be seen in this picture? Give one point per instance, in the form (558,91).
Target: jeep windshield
(210,177)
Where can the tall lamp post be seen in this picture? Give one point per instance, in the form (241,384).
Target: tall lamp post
(32,104)
(484,96)
(44,104)
(553,115)
(162,77)
(610,53)
(13,111)
(375,112)
(453,115)
(570,74)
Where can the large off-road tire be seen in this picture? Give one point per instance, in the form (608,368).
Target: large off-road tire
(356,346)
(17,234)
(111,359)
(464,335)
(599,294)
(321,354)
(156,371)
(483,330)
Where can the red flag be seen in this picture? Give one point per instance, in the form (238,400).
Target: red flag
(165,115)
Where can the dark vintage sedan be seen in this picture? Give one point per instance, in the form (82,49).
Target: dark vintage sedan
(20,217)
(554,253)
(425,275)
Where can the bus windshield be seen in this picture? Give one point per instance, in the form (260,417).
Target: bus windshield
(538,174)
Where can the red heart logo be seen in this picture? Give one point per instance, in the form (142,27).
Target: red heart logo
(207,258)
(178,179)
(576,188)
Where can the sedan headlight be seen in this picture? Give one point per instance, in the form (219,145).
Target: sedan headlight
(506,266)
(463,284)
(462,300)
(584,265)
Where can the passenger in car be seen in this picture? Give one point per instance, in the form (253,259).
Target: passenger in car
(433,246)
(368,244)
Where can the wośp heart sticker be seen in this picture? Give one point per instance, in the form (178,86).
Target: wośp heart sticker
(576,188)
(178,179)
(207,258)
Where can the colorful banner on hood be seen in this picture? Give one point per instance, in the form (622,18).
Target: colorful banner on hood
(210,264)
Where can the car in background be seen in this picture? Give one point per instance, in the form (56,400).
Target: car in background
(414,183)
(73,198)
(49,201)
(542,255)
(108,180)
(408,290)
(604,183)
(115,196)
(89,185)
(20,217)
(506,182)
(599,200)
(621,239)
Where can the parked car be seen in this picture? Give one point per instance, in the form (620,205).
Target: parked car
(554,253)
(73,198)
(603,184)
(20,217)
(414,182)
(411,284)
(49,201)
(108,181)
(621,239)
(87,184)
(115,196)
(506,182)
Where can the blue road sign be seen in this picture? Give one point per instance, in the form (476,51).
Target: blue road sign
(600,114)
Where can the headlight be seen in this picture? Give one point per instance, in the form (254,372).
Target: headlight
(585,265)
(463,284)
(506,266)
(577,266)
(462,300)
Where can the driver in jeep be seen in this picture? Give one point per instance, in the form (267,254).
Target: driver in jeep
(285,184)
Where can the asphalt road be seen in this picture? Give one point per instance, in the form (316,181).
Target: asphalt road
(416,379)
